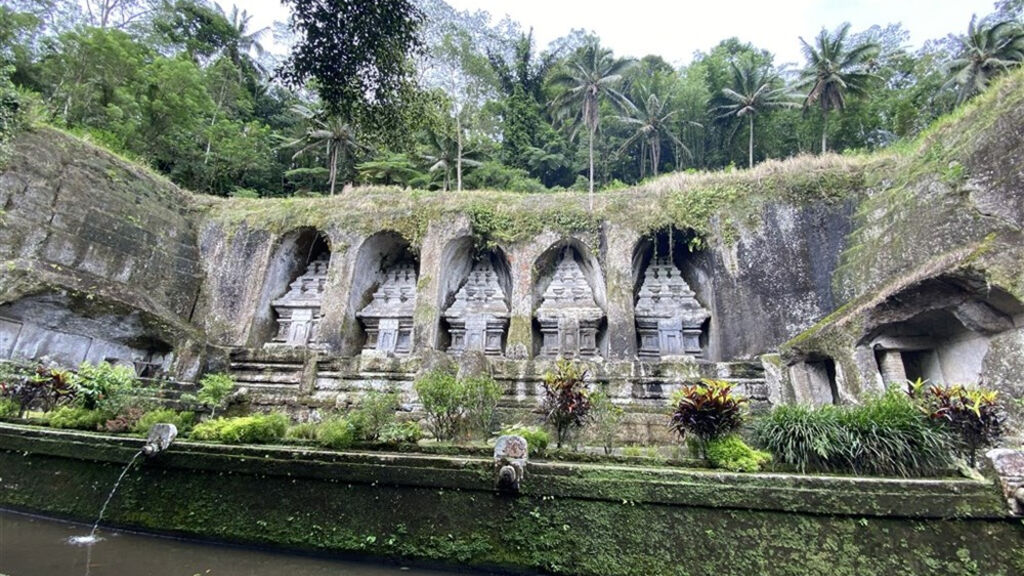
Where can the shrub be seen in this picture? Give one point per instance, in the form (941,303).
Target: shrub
(707,410)
(183,421)
(39,386)
(972,415)
(481,397)
(401,433)
(257,429)
(537,438)
(639,451)
(376,410)
(805,437)
(885,434)
(9,408)
(566,399)
(78,418)
(730,452)
(444,402)
(214,388)
(606,421)
(104,386)
(336,432)
(303,431)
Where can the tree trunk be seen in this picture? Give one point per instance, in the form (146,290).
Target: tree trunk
(458,155)
(750,145)
(591,143)
(655,156)
(334,168)
(824,131)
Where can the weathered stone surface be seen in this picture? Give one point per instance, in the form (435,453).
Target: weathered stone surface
(1009,467)
(388,316)
(298,311)
(479,316)
(668,316)
(568,314)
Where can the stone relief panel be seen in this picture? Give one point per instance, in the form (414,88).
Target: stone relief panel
(668,315)
(479,316)
(298,311)
(568,315)
(388,317)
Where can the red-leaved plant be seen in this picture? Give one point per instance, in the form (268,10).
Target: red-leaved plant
(707,410)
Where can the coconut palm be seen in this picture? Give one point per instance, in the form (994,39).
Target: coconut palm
(651,122)
(446,152)
(244,42)
(755,89)
(590,75)
(989,49)
(833,71)
(327,131)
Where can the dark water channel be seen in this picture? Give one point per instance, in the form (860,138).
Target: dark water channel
(34,546)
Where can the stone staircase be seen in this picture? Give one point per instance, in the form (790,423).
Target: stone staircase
(269,376)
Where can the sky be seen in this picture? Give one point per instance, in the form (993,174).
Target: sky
(676,29)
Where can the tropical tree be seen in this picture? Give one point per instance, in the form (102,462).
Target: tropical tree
(755,90)
(833,71)
(651,122)
(245,42)
(327,131)
(988,49)
(446,152)
(589,76)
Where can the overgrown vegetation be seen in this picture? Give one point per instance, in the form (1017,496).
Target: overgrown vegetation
(972,415)
(730,452)
(708,411)
(606,421)
(884,434)
(458,406)
(183,421)
(214,388)
(566,399)
(537,438)
(256,429)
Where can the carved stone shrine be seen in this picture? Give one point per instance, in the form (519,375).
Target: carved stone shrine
(568,315)
(478,318)
(298,311)
(668,316)
(388,317)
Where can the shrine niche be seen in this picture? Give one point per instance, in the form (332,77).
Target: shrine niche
(298,311)
(569,318)
(474,298)
(669,318)
(293,289)
(383,294)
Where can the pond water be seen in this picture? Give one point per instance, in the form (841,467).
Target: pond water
(36,546)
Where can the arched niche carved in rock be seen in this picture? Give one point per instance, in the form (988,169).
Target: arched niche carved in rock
(476,285)
(69,329)
(569,303)
(670,319)
(383,293)
(293,288)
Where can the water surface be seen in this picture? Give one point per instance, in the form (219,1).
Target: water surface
(35,546)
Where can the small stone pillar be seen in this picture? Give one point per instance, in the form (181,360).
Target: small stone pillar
(668,315)
(298,311)
(388,317)
(479,316)
(568,315)
(890,364)
(1009,466)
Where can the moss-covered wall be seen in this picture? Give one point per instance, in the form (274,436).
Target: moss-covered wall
(570,519)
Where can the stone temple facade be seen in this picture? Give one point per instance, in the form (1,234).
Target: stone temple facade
(298,311)
(668,315)
(568,315)
(478,318)
(388,317)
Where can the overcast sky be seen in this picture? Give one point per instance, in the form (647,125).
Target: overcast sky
(675,29)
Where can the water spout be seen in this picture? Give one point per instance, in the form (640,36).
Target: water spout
(160,437)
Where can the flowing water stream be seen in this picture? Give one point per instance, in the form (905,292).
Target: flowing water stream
(36,546)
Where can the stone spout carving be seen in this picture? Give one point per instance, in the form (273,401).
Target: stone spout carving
(568,315)
(160,438)
(668,316)
(478,318)
(388,317)
(510,457)
(298,311)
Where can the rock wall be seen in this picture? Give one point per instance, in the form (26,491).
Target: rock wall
(100,240)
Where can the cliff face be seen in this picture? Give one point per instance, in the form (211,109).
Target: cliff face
(99,257)
(845,263)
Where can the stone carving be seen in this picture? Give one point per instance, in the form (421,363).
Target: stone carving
(298,311)
(478,318)
(160,437)
(388,317)
(510,457)
(668,316)
(1009,467)
(568,315)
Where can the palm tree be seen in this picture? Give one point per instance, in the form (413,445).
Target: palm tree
(989,49)
(651,122)
(833,71)
(590,75)
(325,131)
(755,89)
(446,152)
(244,42)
